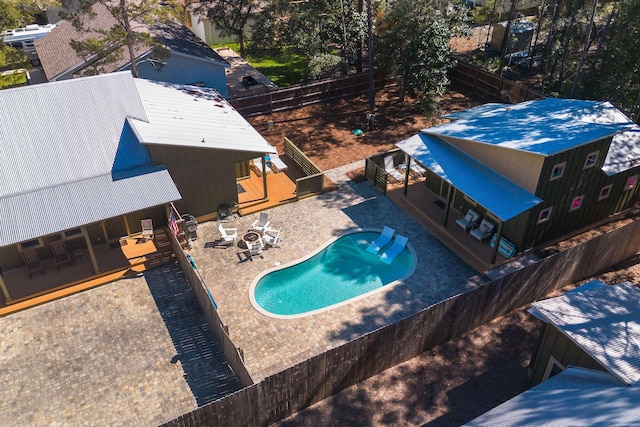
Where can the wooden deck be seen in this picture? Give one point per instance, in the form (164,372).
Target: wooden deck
(426,208)
(114,262)
(281,189)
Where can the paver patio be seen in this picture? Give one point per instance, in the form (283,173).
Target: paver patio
(271,345)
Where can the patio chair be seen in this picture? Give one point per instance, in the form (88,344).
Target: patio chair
(483,231)
(60,254)
(255,249)
(469,221)
(271,237)
(398,245)
(32,263)
(261,224)
(415,169)
(389,168)
(228,236)
(277,164)
(257,166)
(384,238)
(147,229)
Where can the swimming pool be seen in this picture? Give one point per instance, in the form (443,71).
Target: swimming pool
(339,271)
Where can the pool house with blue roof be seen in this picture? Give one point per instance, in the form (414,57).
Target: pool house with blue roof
(539,170)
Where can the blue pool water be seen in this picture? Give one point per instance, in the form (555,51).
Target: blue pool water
(339,272)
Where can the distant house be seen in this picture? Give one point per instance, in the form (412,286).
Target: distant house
(190,62)
(538,170)
(588,357)
(85,160)
(595,326)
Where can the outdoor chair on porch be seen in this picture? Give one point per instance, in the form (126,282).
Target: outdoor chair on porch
(483,231)
(389,168)
(147,229)
(469,221)
(60,254)
(32,263)
(277,164)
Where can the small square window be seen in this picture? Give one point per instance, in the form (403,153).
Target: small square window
(591,160)
(631,182)
(545,215)
(605,192)
(576,203)
(558,171)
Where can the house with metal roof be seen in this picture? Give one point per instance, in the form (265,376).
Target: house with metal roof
(86,159)
(538,170)
(190,60)
(586,365)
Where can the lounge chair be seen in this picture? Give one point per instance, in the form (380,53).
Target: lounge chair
(384,238)
(271,237)
(255,249)
(261,224)
(228,236)
(469,221)
(32,263)
(60,254)
(389,168)
(277,164)
(398,245)
(257,166)
(483,231)
(147,229)
(415,169)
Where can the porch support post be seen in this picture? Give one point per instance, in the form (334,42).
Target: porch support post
(5,291)
(126,225)
(264,177)
(447,208)
(407,161)
(494,253)
(104,232)
(92,254)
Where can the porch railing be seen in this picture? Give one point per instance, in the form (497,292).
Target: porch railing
(374,168)
(313,182)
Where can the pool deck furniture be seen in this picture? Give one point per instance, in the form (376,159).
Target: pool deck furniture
(483,231)
(271,237)
(398,245)
(389,168)
(228,236)
(261,224)
(255,248)
(468,221)
(384,238)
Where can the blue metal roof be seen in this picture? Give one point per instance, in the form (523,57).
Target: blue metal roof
(493,191)
(546,126)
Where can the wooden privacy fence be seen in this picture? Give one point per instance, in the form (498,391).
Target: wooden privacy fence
(209,307)
(305,94)
(491,84)
(374,169)
(313,182)
(317,378)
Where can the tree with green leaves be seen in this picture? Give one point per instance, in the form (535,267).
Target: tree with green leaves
(230,17)
(413,46)
(130,28)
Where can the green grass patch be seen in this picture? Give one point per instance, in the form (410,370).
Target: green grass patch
(13,80)
(282,69)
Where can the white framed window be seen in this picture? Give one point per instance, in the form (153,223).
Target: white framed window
(631,182)
(553,368)
(591,160)
(605,192)
(545,215)
(30,244)
(576,203)
(558,171)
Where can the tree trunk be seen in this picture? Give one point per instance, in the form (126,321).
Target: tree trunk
(130,46)
(587,43)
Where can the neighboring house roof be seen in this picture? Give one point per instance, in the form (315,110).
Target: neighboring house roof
(574,397)
(499,195)
(545,126)
(604,322)
(69,157)
(58,58)
(190,116)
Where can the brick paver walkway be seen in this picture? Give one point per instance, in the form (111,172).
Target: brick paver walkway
(135,352)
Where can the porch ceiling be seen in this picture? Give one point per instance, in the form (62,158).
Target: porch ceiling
(500,196)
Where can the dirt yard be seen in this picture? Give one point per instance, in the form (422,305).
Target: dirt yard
(463,378)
